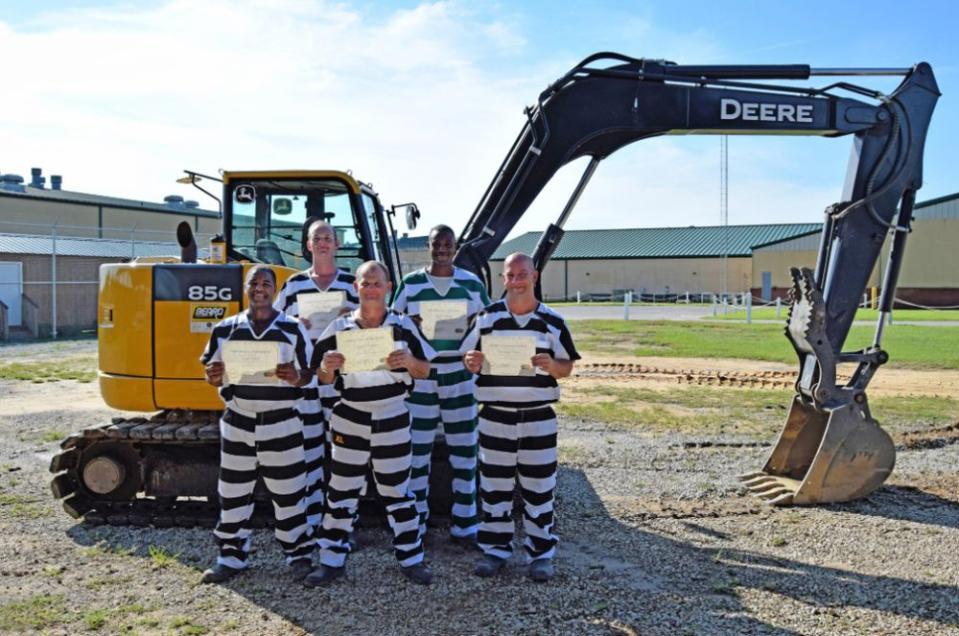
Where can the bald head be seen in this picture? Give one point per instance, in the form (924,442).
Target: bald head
(372,265)
(318,227)
(520,259)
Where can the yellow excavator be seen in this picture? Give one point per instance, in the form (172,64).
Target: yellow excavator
(155,317)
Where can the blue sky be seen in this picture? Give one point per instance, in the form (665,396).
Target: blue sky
(424,99)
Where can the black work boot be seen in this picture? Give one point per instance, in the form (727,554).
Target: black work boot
(542,570)
(300,568)
(488,566)
(323,576)
(220,573)
(419,574)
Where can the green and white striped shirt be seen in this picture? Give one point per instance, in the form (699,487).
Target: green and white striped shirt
(417,288)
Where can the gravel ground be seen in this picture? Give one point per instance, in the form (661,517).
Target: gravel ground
(656,538)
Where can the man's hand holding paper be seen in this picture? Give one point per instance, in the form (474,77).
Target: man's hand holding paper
(250,362)
(508,355)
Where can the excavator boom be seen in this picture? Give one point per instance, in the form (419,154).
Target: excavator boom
(831,448)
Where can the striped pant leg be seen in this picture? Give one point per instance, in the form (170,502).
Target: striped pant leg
(349,458)
(237,478)
(536,468)
(424,410)
(458,412)
(390,448)
(498,445)
(314,447)
(279,451)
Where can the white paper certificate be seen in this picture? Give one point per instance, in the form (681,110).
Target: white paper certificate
(365,349)
(250,362)
(320,309)
(443,319)
(508,355)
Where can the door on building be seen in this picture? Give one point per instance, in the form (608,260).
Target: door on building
(767,285)
(11,289)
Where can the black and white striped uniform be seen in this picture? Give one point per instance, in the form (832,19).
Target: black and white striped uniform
(261,433)
(371,426)
(517,433)
(318,401)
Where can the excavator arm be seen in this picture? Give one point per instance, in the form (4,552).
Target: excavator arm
(831,449)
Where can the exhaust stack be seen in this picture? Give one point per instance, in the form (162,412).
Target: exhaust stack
(184,236)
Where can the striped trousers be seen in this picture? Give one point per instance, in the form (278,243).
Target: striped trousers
(360,439)
(314,447)
(517,445)
(446,400)
(270,444)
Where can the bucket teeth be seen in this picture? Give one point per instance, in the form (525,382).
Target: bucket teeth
(782,500)
(748,476)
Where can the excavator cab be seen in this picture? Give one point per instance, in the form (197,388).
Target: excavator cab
(265,218)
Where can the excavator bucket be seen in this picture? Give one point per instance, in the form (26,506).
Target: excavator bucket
(824,457)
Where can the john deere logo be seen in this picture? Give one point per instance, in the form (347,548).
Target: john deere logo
(282,207)
(245,194)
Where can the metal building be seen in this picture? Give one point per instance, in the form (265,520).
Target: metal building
(52,242)
(670,261)
(929,275)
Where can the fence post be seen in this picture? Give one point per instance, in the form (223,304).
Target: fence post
(626,300)
(577,297)
(53,283)
(779,307)
(749,309)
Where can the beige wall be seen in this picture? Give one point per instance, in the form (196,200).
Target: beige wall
(673,275)
(931,254)
(76,293)
(33,216)
(30,216)
(929,261)
(153,226)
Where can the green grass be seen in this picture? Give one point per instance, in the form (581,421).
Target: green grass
(870,315)
(754,413)
(909,346)
(35,613)
(82,369)
(20,507)
(95,619)
(160,557)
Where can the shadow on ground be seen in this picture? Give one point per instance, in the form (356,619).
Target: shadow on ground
(613,578)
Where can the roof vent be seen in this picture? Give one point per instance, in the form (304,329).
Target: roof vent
(56,182)
(36,181)
(174,201)
(191,204)
(12,183)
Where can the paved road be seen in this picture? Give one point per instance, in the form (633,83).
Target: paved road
(694,312)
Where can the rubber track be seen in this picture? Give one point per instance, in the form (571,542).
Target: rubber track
(168,427)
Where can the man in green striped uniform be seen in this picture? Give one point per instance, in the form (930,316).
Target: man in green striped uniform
(442,299)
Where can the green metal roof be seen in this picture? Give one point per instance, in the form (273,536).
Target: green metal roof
(661,242)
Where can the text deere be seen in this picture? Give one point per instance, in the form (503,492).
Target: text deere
(752,111)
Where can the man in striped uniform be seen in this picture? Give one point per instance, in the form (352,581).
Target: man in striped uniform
(323,277)
(517,426)
(371,427)
(260,431)
(446,397)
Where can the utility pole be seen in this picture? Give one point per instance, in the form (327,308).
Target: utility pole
(724,213)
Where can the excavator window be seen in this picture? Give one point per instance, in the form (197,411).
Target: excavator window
(267,217)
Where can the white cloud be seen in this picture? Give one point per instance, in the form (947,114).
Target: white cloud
(119,100)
